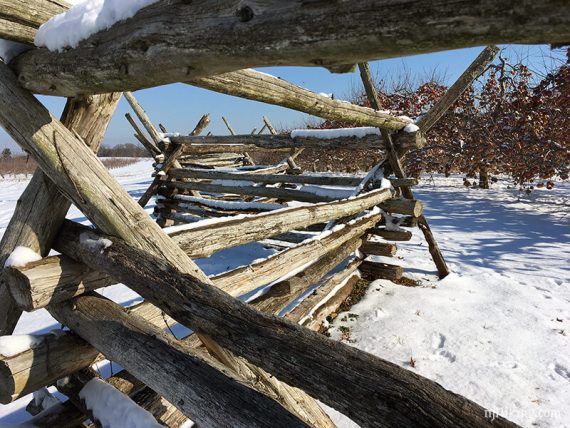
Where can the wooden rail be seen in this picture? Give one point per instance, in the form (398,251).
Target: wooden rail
(317,34)
(240,143)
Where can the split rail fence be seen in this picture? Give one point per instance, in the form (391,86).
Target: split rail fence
(256,363)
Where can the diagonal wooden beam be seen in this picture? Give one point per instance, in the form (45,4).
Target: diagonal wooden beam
(381,394)
(477,67)
(84,179)
(171,42)
(151,148)
(31,225)
(262,87)
(396,165)
(143,117)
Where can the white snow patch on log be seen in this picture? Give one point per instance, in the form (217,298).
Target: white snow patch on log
(113,409)
(21,256)
(94,242)
(234,183)
(15,344)
(168,134)
(43,399)
(230,205)
(329,192)
(411,127)
(208,222)
(329,296)
(85,19)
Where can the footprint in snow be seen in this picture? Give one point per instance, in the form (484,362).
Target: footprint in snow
(562,371)
(438,343)
(447,355)
(379,313)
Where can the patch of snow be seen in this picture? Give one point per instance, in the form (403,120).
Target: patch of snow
(165,136)
(392,224)
(406,119)
(328,297)
(113,409)
(411,127)
(85,19)
(15,344)
(230,205)
(375,174)
(329,134)
(168,134)
(323,94)
(233,183)
(43,399)
(496,329)
(93,242)
(21,256)
(328,192)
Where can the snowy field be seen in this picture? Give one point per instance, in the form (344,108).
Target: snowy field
(496,330)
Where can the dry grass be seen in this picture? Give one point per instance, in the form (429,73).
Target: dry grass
(24,165)
(17,165)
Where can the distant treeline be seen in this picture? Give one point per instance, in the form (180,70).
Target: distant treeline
(14,165)
(127,150)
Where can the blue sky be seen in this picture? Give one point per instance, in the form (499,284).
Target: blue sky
(179,107)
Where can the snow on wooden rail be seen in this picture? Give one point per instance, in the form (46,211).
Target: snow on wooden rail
(317,34)
(317,179)
(233,390)
(63,354)
(186,300)
(26,282)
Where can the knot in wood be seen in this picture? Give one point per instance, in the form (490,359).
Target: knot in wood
(245,14)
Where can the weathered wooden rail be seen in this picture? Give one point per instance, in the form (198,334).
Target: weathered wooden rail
(194,39)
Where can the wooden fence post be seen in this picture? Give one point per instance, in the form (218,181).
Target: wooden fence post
(30,225)
(396,165)
(83,178)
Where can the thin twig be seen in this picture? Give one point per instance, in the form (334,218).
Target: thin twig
(167,326)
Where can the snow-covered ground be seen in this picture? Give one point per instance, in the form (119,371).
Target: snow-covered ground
(496,330)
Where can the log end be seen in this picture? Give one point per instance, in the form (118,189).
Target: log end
(20,288)
(392,235)
(376,248)
(418,209)
(374,270)
(7,383)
